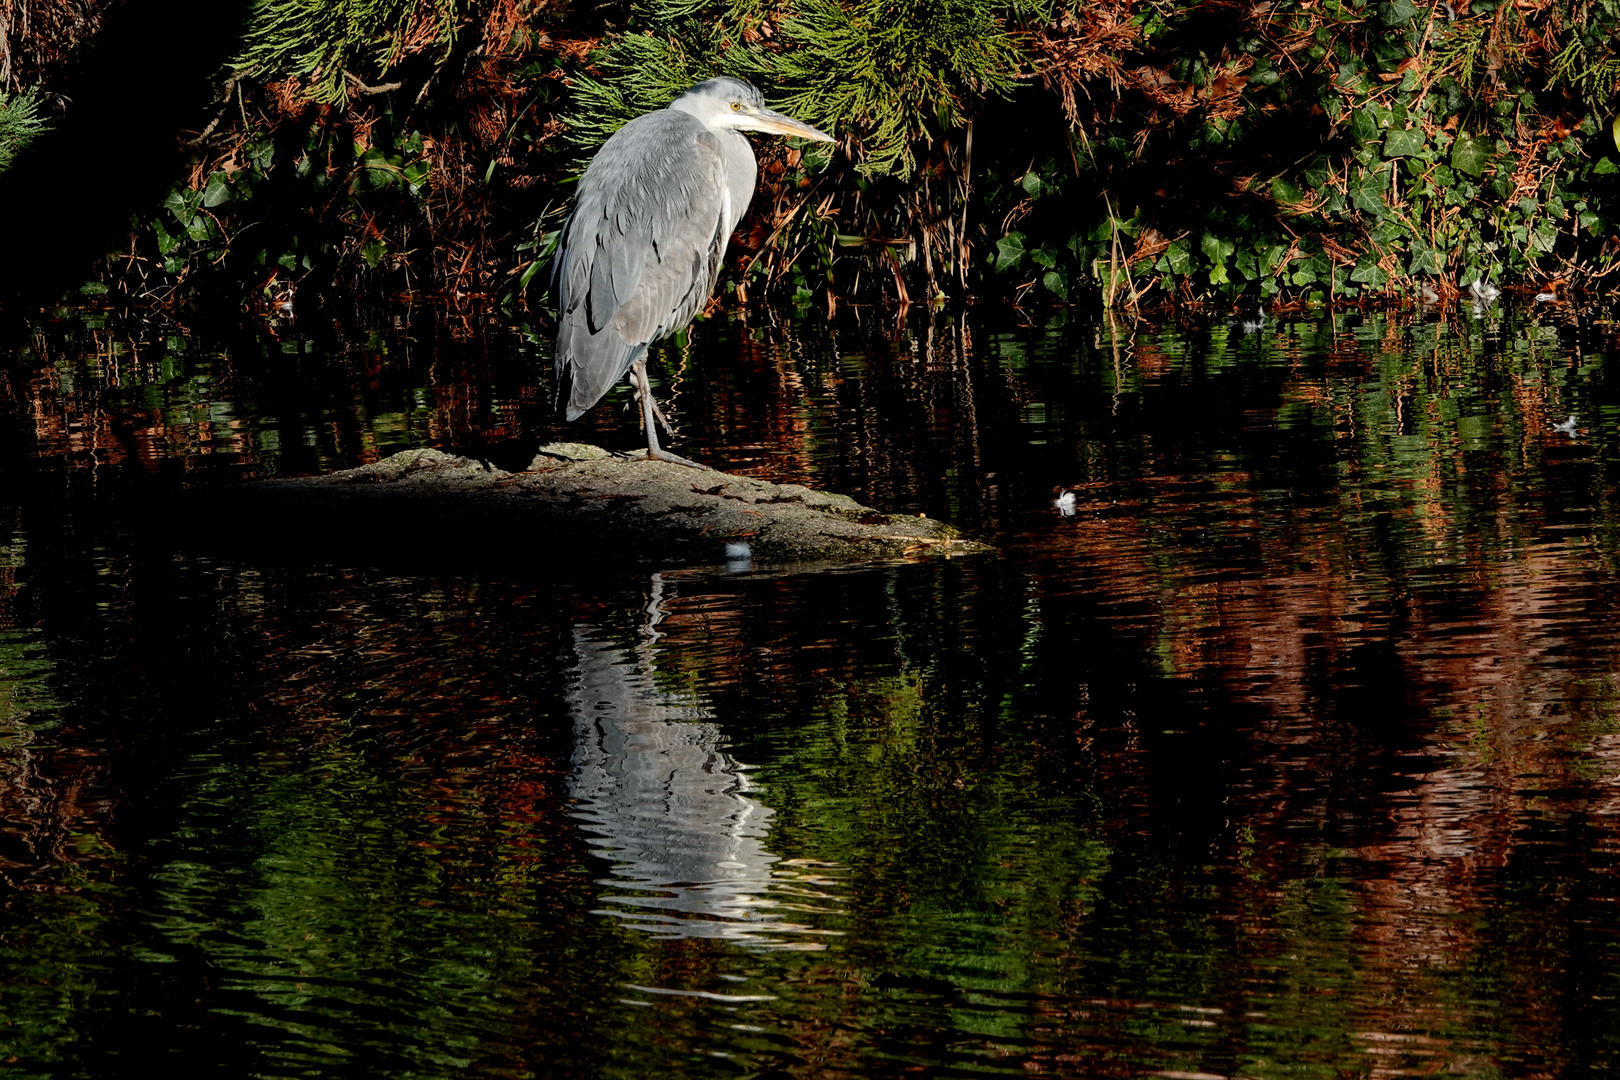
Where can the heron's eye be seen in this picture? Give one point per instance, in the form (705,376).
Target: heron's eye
(736,106)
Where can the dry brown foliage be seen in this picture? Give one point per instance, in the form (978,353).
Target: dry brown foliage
(38,36)
(1082,47)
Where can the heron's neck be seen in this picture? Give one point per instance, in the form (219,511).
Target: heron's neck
(690,108)
(740,172)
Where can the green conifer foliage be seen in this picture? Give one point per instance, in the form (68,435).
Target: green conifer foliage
(897,73)
(637,74)
(19,122)
(331,47)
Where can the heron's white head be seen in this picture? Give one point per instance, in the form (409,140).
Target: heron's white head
(735,105)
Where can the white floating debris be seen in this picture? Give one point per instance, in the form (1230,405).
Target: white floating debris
(702,995)
(1065,503)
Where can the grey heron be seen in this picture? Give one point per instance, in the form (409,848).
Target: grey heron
(642,249)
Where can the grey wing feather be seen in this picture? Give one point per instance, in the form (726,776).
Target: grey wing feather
(641,251)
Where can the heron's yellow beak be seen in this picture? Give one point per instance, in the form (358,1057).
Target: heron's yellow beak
(781,124)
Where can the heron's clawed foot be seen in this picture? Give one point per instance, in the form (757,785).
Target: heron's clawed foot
(658,453)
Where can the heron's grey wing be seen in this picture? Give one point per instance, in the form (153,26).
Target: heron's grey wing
(640,252)
(676,282)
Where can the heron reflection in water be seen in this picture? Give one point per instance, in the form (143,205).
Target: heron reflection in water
(676,814)
(642,249)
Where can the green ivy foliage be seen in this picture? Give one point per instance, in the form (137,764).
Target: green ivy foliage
(279,209)
(1338,149)
(327,178)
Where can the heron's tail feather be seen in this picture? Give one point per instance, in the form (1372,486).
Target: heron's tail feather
(589,364)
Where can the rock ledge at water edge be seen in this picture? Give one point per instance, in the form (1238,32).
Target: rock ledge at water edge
(574,494)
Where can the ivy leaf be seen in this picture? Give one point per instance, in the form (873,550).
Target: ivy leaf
(183,203)
(166,241)
(1284,192)
(1367,272)
(217,191)
(1388,233)
(1178,258)
(1365,124)
(1425,259)
(1058,282)
(1368,195)
(1470,155)
(1403,143)
(1009,251)
(1215,248)
(1397,12)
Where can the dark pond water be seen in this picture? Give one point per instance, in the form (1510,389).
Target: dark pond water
(1293,750)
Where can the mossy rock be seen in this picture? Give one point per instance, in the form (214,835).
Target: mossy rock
(592,508)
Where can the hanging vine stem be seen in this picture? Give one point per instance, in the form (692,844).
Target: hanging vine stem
(965,247)
(1116,260)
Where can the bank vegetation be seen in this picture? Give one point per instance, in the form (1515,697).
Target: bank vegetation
(1114,152)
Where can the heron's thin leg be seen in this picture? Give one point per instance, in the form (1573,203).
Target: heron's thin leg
(638,379)
(669,429)
(650,417)
(644,398)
